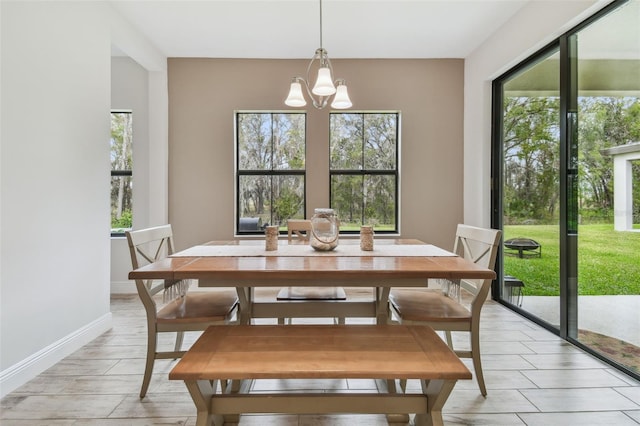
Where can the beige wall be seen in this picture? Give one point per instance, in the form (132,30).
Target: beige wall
(204,93)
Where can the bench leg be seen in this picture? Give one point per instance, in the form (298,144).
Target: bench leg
(202,392)
(437,392)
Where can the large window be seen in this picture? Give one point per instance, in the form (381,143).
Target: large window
(121,171)
(364,170)
(270,169)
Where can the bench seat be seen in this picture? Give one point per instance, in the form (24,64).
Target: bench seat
(385,352)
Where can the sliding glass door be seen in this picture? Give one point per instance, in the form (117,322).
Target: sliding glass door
(608,144)
(530,114)
(567,159)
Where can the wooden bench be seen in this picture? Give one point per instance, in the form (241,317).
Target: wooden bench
(383,352)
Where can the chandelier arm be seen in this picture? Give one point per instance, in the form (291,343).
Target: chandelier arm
(319,103)
(309,68)
(306,87)
(323,57)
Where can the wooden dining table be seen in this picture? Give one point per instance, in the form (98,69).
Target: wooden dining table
(246,266)
(249,267)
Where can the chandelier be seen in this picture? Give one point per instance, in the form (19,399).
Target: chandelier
(325,86)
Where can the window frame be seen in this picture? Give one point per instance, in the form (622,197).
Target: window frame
(370,172)
(122,173)
(271,173)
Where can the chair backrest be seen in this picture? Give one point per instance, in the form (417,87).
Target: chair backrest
(147,246)
(480,246)
(300,228)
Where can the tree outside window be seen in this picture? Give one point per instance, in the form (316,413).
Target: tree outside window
(121,171)
(364,170)
(270,164)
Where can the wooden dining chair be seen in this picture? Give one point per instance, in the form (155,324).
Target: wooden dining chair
(301,229)
(178,310)
(442,309)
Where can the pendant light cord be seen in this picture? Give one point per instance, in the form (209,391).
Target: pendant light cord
(320,24)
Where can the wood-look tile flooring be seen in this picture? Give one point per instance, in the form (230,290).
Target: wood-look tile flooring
(532,376)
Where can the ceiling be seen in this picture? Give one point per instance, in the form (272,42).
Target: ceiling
(291,28)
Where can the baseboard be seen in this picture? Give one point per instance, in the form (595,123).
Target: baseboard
(20,373)
(123,287)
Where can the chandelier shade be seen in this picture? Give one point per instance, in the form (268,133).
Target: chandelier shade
(341,99)
(295,98)
(325,86)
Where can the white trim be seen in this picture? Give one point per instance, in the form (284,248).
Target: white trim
(25,370)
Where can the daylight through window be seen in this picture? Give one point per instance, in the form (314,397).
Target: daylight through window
(364,170)
(121,171)
(270,169)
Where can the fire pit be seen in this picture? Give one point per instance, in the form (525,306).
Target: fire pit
(523,247)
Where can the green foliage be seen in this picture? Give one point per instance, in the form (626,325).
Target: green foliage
(531,156)
(604,122)
(124,222)
(286,206)
(607,260)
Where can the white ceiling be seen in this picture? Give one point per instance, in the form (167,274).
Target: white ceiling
(291,28)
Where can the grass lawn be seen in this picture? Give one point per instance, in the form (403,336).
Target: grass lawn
(608,260)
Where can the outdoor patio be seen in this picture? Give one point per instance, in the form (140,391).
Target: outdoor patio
(608,315)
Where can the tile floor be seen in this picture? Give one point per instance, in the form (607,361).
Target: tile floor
(533,378)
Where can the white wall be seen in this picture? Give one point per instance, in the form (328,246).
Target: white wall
(129,91)
(54,286)
(533,27)
(54,175)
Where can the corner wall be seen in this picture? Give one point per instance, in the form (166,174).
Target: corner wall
(54,287)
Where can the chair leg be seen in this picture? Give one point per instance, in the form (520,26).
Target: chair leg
(179,339)
(152,339)
(447,333)
(477,364)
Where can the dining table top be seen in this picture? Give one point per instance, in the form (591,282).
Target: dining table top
(249,263)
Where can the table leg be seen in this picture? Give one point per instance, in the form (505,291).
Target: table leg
(245,298)
(382,305)
(437,392)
